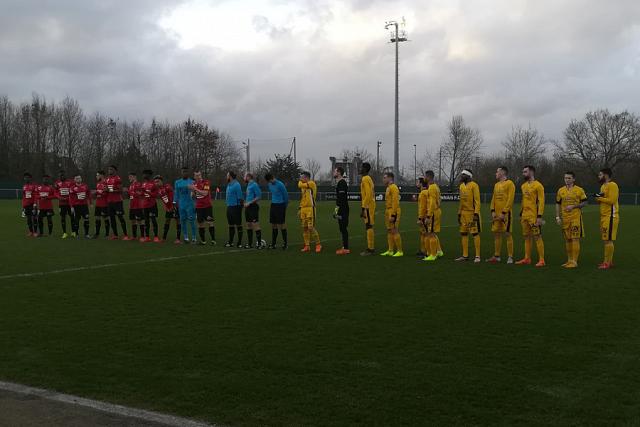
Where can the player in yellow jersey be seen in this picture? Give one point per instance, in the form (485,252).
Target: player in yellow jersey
(609,215)
(504,191)
(392,216)
(569,203)
(469,215)
(367,193)
(423,200)
(308,212)
(432,218)
(531,216)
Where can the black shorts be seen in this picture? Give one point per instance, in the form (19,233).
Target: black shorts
(136,214)
(45,213)
(171,214)
(65,210)
(204,214)
(234,215)
(115,208)
(151,212)
(81,211)
(28,210)
(101,211)
(252,213)
(277,213)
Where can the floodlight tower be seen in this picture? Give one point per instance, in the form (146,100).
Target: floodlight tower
(398,34)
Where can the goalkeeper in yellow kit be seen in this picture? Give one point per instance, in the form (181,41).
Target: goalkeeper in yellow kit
(569,203)
(308,212)
(609,215)
(368,211)
(392,216)
(531,216)
(504,191)
(469,215)
(430,217)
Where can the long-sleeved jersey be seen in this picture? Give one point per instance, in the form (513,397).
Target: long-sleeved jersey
(469,197)
(182,194)
(433,204)
(532,200)
(423,204)
(503,195)
(309,191)
(609,200)
(392,199)
(279,194)
(44,195)
(367,192)
(342,196)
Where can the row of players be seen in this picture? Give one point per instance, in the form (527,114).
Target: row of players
(191,201)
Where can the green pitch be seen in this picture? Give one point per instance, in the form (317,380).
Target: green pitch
(282,338)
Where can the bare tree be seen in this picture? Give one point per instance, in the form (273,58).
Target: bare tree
(524,146)
(460,148)
(601,139)
(313,167)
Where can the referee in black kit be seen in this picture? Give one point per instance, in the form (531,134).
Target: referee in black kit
(341,212)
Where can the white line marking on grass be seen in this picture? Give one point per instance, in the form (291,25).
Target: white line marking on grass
(109,408)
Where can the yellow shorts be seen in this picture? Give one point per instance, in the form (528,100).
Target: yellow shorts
(432,224)
(529,227)
(388,220)
(609,227)
(369,216)
(503,226)
(572,229)
(308,217)
(470,223)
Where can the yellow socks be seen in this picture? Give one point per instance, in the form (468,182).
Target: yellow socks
(540,248)
(576,250)
(306,235)
(390,241)
(510,245)
(370,239)
(476,244)
(608,252)
(424,244)
(527,248)
(433,246)
(465,245)
(316,236)
(569,247)
(438,240)
(398,242)
(497,243)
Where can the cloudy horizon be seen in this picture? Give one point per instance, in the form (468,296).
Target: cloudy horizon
(323,70)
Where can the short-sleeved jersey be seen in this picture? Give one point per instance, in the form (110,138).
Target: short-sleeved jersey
(503,195)
(101,194)
(62,191)
(165,194)
(433,204)
(367,192)
(609,200)
(278,191)
(203,200)
(80,194)
(135,195)
(28,195)
(392,198)
(423,204)
(469,197)
(45,195)
(149,194)
(253,192)
(570,197)
(532,200)
(114,188)
(182,194)
(308,196)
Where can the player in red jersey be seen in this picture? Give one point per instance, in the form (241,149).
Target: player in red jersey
(44,194)
(29,204)
(135,206)
(62,186)
(165,194)
(101,210)
(79,200)
(114,200)
(204,209)
(150,205)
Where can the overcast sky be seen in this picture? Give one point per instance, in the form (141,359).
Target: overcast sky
(322,70)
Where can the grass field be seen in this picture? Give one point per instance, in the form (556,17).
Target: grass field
(281,338)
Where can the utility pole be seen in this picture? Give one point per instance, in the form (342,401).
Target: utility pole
(415,163)
(247,148)
(378,157)
(396,38)
(295,149)
(440,165)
